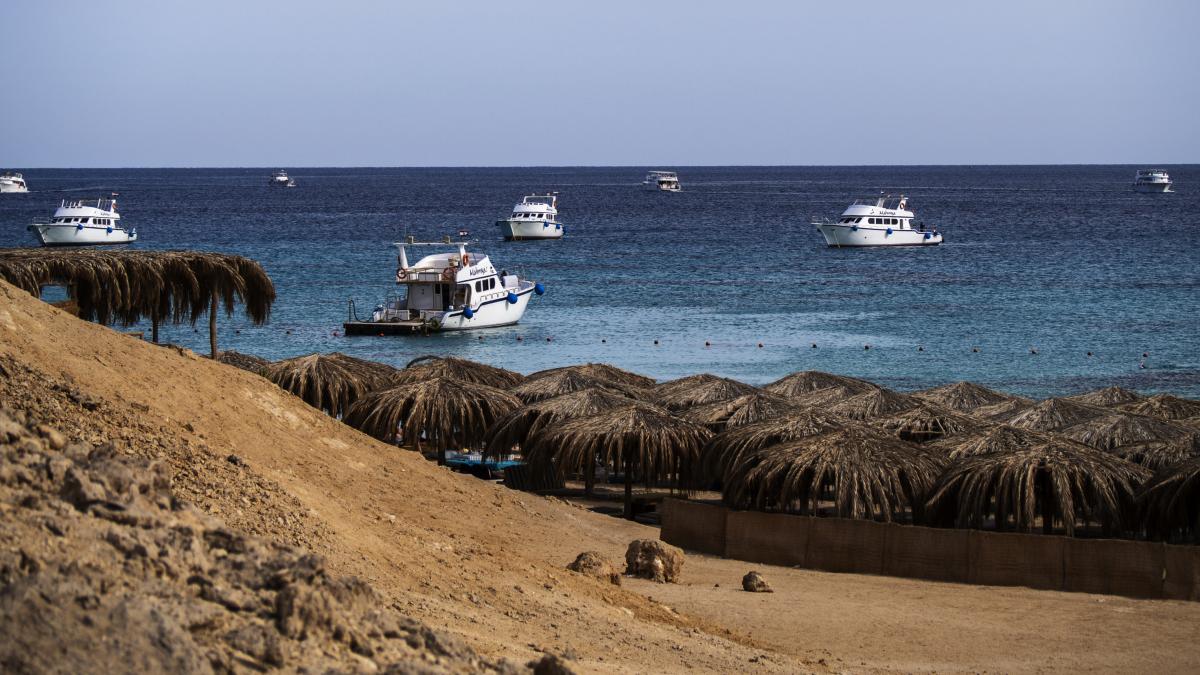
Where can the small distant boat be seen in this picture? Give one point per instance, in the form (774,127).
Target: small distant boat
(535,217)
(463,232)
(1152,180)
(664,181)
(11,182)
(455,290)
(281,179)
(80,223)
(883,221)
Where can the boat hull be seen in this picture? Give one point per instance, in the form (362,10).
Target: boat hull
(849,236)
(12,188)
(490,314)
(522,230)
(1152,187)
(71,235)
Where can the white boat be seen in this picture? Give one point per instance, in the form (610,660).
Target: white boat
(1152,180)
(11,182)
(883,221)
(80,223)
(280,179)
(665,181)
(455,290)
(535,217)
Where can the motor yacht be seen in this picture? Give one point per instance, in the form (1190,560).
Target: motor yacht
(1152,180)
(534,217)
(446,291)
(882,221)
(664,181)
(11,182)
(83,223)
(281,179)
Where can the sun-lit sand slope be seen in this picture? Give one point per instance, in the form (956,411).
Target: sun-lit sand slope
(488,563)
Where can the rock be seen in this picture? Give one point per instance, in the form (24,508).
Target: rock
(655,560)
(550,664)
(595,565)
(754,582)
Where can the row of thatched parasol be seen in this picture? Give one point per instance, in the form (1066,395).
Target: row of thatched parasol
(958,455)
(127,286)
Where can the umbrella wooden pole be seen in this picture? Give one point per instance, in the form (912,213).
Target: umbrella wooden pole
(212,325)
(628,488)
(1048,506)
(589,478)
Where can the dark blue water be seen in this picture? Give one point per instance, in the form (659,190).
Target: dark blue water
(1064,260)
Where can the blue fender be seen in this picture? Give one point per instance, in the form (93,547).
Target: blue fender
(469,313)
(539,288)
(512,298)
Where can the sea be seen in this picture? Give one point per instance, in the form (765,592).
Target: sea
(1052,279)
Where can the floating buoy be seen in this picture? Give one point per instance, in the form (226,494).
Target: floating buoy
(814,345)
(975,349)
(512,298)
(480,337)
(539,288)
(1089,354)
(920,348)
(656,342)
(866,347)
(519,338)
(1145,355)
(707,343)
(1033,350)
(289,332)
(547,338)
(605,340)
(335,333)
(760,345)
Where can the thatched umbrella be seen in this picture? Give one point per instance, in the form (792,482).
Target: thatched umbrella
(1170,502)
(1149,441)
(998,412)
(1058,480)
(636,438)
(1052,414)
(803,383)
(429,367)
(1166,406)
(566,381)
(698,390)
(867,475)
(996,439)
(600,371)
(329,382)
(730,446)
(963,396)
(518,426)
(1107,397)
(250,362)
(446,412)
(874,403)
(926,423)
(736,412)
(128,285)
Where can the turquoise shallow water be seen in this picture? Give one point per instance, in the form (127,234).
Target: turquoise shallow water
(1064,260)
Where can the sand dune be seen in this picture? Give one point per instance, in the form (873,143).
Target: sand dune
(488,563)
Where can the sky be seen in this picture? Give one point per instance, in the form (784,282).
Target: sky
(164,83)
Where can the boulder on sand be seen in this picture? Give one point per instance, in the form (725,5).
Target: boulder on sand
(754,582)
(653,559)
(595,565)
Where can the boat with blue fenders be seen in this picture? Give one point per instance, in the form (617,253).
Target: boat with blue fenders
(535,217)
(77,222)
(882,221)
(445,291)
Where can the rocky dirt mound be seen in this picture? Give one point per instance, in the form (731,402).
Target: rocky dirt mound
(101,563)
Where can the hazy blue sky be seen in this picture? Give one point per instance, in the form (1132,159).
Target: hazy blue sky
(344,83)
